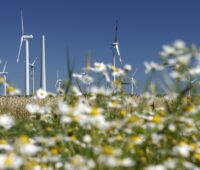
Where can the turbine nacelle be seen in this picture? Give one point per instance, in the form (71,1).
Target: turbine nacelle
(115,43)
(33,64)
(4,73)
(25,37)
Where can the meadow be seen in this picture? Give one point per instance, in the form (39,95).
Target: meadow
(107,128)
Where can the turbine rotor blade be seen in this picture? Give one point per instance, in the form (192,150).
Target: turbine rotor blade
(56,83)
(117,48)
(116,31)
(118,53)
(57,75)
(134,72)
(4,68)
(134,82)
(20,46)
(34,61)
(22,24)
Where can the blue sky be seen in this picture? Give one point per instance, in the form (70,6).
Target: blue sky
(144,26)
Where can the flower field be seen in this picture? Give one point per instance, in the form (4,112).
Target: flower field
(105,128)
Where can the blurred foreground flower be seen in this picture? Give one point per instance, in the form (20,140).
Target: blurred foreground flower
(6,121)
(128,67)
(10,161)
(2,80)
(13,91)
(99,67)
(41,94)
(152,66)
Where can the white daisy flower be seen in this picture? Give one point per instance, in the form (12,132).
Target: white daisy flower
(179,44)
(128,67)
(99,67)
(29,149)
(152,66)
(6,121)
(41,94)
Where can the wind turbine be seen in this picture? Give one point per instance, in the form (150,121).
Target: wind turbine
(115,46)
(25,38)
(58,83)
(4,73)
(133,81)
(32,66)
(191,82)
(88,61)
(87,87)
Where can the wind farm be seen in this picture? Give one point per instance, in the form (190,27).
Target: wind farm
(30,67)
(99,85)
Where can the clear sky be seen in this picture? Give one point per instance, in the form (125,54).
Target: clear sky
(80,25)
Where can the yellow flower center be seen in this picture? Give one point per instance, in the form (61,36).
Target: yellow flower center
(114,103)
(197,156)
(2,80)
(54,151)
(24,139)
(94,111)
(98,66)
(123,113)
(8,161)
(113,67)
(72,138)
(117,70)
(189,108)
(108,150)
(156,119)
(30,164)
(119,138)
(3,141)
(10,89)
(41,93)
(43,165)
(133,119)
(76,118)
(136,138)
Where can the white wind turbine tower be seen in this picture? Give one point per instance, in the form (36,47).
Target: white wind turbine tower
(4,73)
(133,82)
(191,83)
(115,46)
(26,39)
(58,83)
(43,66)
(32,66)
